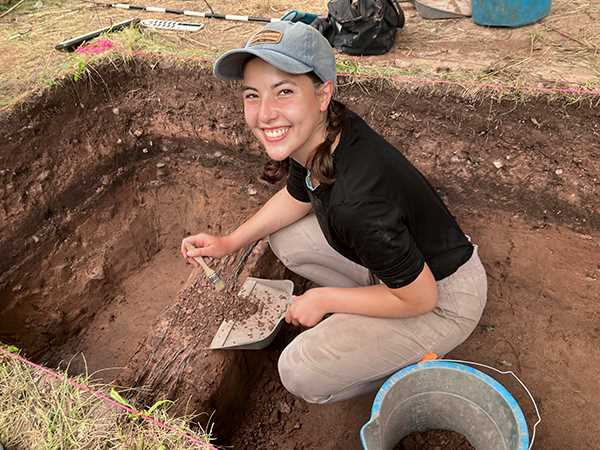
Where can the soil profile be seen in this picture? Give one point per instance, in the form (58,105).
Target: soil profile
(101,181)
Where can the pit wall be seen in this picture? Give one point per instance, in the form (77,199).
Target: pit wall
(78,163)
(63,151)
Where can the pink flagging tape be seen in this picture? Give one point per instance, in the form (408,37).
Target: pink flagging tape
(96,47)
(542,90)
(107,399)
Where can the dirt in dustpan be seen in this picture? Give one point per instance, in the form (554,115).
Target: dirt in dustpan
(258,330)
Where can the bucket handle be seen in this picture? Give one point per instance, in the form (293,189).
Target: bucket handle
(433,356)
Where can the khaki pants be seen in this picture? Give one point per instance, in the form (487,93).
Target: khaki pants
(347,355)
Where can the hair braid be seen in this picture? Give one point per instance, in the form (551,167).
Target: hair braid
(321,164)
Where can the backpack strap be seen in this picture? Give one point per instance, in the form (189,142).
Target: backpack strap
(395,4)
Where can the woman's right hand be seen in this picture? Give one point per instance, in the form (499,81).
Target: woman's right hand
(206,245)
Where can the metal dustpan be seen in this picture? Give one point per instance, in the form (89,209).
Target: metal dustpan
(258,330)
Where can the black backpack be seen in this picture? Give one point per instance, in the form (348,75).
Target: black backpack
(361,27)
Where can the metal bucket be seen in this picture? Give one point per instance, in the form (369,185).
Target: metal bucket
(444,395)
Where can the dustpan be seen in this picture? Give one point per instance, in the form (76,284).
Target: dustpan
(258,330)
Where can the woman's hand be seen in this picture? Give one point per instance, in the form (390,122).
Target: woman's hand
(306,309)
(206,245)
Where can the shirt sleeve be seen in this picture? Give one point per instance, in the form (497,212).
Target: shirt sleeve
(376,231)
(296,181)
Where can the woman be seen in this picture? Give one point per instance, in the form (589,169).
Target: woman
(398,276)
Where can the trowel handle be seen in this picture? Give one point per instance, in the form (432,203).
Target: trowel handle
(71,44)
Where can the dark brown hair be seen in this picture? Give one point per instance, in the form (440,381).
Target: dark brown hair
(321,164)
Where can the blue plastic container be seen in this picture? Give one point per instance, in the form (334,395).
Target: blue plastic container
(509,13)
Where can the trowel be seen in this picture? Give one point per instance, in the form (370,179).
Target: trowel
(258,330)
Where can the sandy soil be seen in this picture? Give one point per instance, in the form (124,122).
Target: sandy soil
(91,228)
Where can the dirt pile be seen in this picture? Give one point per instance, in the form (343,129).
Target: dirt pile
(434,440)
(174,362)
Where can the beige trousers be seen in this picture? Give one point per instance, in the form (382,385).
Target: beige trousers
(347,355)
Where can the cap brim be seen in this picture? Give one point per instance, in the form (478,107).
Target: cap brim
(230,65)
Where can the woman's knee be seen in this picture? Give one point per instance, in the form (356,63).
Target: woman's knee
(297,377)
(292,243)
(280,244)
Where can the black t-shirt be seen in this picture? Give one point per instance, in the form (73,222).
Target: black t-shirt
(381,212)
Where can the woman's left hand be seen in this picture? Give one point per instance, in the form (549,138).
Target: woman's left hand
(306,309)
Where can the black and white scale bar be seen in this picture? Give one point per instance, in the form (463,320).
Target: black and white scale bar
(207,15)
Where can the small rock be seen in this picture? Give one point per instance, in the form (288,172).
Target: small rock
(251,191)
(144,150)
(498,164)
(105,180)
(17,288)
(506,363)
(96,273)
(115,111)
(44,175)
(138,132)
(283,407)
(119,141)
(35,238)
(217,154)
(558,171)
(454,159)
(160,165)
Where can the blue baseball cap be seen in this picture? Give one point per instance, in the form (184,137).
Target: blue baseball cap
(294,48)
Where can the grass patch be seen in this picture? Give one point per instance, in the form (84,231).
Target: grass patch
(40,412)
(561,49)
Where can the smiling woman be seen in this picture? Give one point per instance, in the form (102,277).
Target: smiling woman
(286,112)
(396,273)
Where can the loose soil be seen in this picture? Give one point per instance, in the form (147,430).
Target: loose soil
(101,181)
(438,439)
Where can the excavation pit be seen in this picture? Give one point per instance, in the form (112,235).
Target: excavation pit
(102,180)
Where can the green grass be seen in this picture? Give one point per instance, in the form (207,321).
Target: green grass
(43,413)
(28,5)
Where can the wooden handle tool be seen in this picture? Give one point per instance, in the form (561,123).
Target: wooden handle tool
(212,276)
